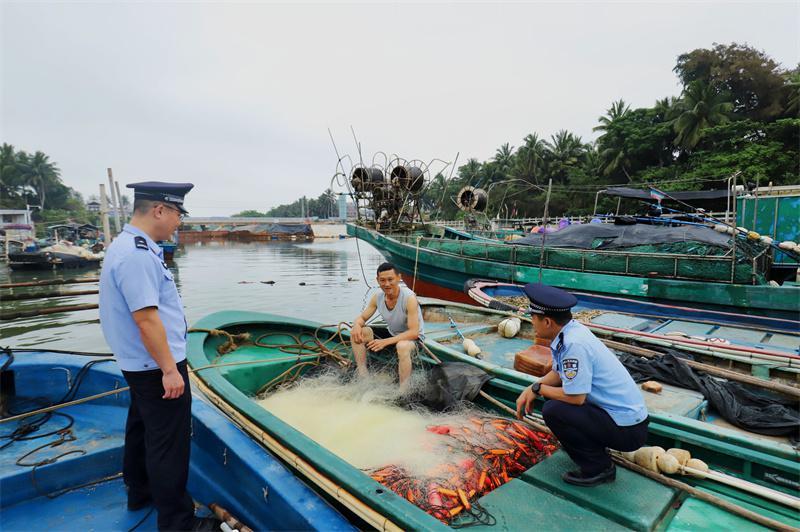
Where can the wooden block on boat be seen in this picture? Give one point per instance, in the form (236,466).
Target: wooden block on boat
(652,387)
(536,360)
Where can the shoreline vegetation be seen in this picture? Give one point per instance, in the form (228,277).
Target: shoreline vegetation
(739,110)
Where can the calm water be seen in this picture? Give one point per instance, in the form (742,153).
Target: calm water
(211,277)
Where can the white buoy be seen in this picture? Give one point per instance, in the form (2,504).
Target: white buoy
(721,228)
(766,240)
(471,347)
(509,327)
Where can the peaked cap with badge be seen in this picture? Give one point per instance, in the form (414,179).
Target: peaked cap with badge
(171,193)
(545,298)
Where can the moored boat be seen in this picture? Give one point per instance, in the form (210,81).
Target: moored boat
(731,338)
(438,265)
(446,323)
(536,495)
(61,470)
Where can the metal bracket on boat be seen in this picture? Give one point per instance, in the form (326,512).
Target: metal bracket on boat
(265,492)
(224,456)
(69,376)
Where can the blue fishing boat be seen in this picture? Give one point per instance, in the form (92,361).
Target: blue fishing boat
(61,470)
(768,348)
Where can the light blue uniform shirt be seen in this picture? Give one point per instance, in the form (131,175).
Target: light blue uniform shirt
(134,276)
(587,366)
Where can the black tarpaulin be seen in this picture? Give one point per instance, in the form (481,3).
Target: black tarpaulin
(747,407)
(608,236)
(682,195)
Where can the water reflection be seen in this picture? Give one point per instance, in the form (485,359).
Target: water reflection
(212,276)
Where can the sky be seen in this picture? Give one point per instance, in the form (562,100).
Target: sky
(238,98)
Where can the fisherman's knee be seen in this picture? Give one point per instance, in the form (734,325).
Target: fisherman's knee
(404,348)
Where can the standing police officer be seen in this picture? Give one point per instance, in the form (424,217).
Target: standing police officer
(142,318)
(592,402)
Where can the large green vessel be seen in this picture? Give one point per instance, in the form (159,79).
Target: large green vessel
(437,262)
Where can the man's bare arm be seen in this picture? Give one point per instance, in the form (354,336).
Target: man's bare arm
(154,338)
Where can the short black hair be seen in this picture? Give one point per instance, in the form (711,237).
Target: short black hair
(143,206)
(561,318)
(385,267)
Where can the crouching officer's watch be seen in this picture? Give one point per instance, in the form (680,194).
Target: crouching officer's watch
(535,387)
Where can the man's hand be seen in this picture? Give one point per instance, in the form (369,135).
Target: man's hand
(525,402)
(355,334)
(173,384)
(379,345)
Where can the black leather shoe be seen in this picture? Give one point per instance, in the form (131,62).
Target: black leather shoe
(137,503)
(206,524)
(577,478)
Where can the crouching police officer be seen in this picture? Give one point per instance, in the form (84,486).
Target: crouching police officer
(142,318)
(592,402)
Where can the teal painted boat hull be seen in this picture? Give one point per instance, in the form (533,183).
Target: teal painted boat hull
(453,271)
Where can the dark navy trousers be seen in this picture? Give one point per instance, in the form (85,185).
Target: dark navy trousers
(157,443)
(586,431)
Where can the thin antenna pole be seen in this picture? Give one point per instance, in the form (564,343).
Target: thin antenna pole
(544,226)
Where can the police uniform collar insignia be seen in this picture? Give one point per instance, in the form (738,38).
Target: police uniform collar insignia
(570,368)
(141,242)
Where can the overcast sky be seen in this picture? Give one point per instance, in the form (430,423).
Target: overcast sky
(238,98)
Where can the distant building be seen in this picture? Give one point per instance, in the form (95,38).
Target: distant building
(16,224)
(347,209)
(93,206)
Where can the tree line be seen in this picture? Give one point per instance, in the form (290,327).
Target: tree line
(323,206)
(34,180)
(738,111)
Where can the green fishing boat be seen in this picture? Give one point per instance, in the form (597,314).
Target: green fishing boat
(253,351)
(437,262)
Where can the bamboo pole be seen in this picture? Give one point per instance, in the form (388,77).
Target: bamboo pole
(114,204)
(704,496)
(761,491)
(5,316)
(544,226)
(120,206)
(44,295)
(48,282)
(711,370)
(104,215)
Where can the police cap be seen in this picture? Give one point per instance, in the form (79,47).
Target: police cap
(545,298)
(165,192)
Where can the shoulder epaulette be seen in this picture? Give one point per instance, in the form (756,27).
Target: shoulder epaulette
(141,242)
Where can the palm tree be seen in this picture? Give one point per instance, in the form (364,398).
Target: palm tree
(529,162)
(665,109)
(565,152)
(40,174)
(504,157)
(701,107)
(617,110)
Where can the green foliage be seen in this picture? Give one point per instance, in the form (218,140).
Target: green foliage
(755,82)
(250,213)
(33,179)
(738,111)
(323,206)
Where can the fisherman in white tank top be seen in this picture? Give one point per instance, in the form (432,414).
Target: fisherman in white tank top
(400,310)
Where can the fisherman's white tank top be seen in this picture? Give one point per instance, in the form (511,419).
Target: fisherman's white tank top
(396,319)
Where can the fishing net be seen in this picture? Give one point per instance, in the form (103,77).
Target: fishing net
(496,449)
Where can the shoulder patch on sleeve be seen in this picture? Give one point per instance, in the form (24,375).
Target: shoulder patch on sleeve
(571,366)
(141,242)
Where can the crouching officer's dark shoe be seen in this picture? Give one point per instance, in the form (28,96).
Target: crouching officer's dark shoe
(577,478)
(206,524)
